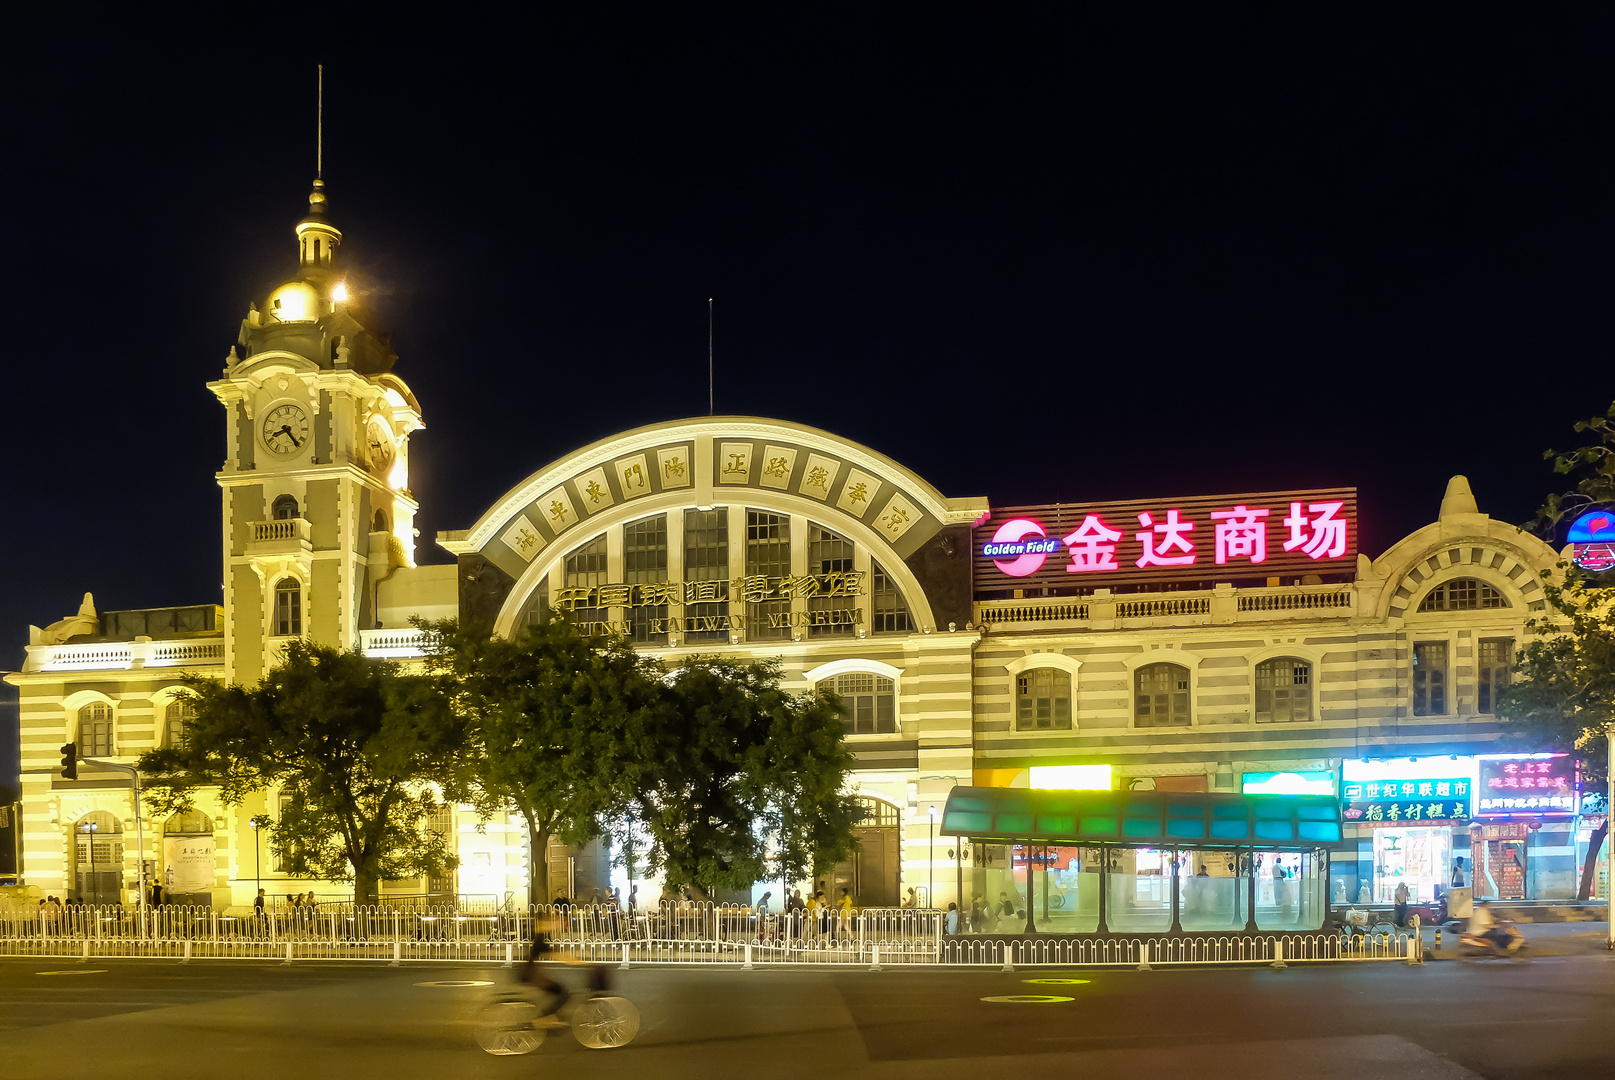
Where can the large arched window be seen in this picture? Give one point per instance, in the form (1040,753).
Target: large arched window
(1043,700)
(288,607)
(1463,594)
(868,703)
(95,730)
(1283,691)
(174,718)
(1161,697)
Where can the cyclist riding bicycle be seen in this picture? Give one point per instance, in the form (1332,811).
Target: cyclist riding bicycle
(543,952)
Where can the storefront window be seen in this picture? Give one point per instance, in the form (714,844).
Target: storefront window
(1421,858)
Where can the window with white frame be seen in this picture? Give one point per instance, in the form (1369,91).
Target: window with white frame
(174,718)
(1043,700)
(1161,697)
(95,730)
(288,607)
(1463,594)
(868,703)
(1283,691)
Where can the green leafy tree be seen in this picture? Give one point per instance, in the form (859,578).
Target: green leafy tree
(730,759)
(354,742)
(552,723)
(1563,693)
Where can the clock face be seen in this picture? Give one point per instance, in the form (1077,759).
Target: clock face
(381,447)
(285,430)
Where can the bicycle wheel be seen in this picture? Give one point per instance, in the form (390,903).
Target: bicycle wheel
(506,1027)
(603,1023)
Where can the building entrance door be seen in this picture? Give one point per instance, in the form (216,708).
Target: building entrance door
(98,859)
(871,874)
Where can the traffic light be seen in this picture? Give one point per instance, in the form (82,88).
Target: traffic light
(70,761)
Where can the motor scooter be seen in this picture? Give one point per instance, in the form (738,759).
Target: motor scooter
(1505,942)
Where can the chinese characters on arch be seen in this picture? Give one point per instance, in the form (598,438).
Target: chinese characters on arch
(1294,533)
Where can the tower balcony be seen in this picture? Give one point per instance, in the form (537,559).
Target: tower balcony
(284,536)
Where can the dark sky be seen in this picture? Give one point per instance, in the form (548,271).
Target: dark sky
(1033,260)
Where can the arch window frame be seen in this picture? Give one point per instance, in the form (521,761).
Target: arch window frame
(862,666)
(1022,666)
(283,503)
(97,743)
(286,607)
(1288,692)
(1485,595)
(1190,664)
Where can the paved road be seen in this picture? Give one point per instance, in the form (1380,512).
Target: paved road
(1552,1017)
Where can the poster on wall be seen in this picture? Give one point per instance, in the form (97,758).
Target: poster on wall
(191,859)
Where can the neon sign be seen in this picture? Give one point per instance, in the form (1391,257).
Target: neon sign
(1527,786)
(1025,544)
(1592,540)
(1290,531)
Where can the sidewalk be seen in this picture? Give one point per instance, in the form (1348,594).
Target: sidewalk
(1544,939)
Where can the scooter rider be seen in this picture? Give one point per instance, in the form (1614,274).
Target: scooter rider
(1482,925)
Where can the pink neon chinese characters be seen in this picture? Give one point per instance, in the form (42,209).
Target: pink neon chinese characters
(1241,533)
(1174,537)
(1093,546)
(1320,537)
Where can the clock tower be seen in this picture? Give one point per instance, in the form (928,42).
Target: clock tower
(317,507)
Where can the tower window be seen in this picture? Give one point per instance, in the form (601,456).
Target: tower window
(95,730)
(288,608)
(284,508)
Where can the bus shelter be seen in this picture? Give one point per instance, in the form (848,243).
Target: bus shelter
(1140,861)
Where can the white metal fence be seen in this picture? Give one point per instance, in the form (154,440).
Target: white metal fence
(669,933)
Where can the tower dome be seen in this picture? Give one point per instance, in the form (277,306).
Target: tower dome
(317,238)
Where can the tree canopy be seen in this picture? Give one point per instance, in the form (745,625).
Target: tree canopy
(1562,696)
(352,743)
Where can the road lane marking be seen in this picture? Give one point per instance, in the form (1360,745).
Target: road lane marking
(74,971)
(1026,999)
(458,982)
(1056,982)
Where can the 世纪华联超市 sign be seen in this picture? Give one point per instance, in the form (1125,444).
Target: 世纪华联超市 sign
(1104,544)
(1375,802)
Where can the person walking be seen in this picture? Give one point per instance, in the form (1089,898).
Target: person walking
(1458,880)
(1401,897)
(260,917)
(844,906)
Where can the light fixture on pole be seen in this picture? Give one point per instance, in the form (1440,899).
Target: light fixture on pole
(930,862)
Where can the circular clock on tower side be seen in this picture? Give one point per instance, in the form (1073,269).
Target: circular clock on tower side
(380,446)
(285,430)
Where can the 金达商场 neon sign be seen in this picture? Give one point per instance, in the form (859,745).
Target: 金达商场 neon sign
(1293,528)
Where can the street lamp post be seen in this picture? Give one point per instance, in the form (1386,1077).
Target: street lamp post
(257,864)
(930,862)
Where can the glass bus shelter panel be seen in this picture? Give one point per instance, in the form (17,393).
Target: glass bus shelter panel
(1211,893)
(1292,898)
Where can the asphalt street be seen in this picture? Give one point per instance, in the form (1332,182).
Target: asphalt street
(1551,1017)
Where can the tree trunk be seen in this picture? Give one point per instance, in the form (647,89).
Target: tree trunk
(366,886)
(1585,891)
(538,870)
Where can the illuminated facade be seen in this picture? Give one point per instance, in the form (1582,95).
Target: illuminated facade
(1193,645)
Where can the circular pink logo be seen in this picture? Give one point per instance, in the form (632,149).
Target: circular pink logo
(1019,547)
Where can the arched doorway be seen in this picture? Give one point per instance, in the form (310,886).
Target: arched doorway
(871,874)
(98,858)
(188,859)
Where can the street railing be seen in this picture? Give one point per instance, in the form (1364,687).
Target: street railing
(668,933)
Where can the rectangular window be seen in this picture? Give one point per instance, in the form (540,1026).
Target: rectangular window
(868,702)
(1492,671)
(1162,698)
(288,612)
(830,553)
(706,560)
(1430,678)
(586,569)
(888,611)
(1283,692)
(95,738)
(644,561)
(768,554)
(1043,700)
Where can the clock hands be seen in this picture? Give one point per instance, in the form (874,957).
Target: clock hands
(287,430)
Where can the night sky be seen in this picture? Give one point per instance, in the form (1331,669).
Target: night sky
(1031,260)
